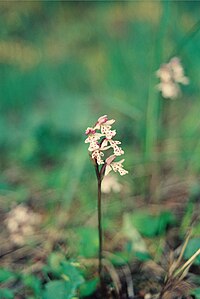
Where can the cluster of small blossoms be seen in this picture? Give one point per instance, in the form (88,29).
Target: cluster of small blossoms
(100,139)
(21,223)
(171,75)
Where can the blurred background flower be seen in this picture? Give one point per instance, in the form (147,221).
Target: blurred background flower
(21,223)
(111,184)
(171,74)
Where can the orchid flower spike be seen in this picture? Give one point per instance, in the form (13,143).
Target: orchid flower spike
(100,139)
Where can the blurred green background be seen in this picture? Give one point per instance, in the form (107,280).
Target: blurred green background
(63,64)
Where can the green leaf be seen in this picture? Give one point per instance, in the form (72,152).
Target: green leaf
(65,269)
(32,282)
(151,225)
(88,287)
(130,231)
(165,218)
(6,275)
(196,293)
(143,256)
(88,242)
(120,258)
(5,187)
(192,246)
(71,274)
(71,279)
(64,289)
(186,220)
(58,289)
(54,262)
(196,229)
(6,294)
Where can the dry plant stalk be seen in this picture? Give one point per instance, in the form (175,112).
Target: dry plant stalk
(175,283)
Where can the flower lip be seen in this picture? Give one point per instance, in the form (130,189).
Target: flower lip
(94,145)
(103,123)
(90,131)
(102,119)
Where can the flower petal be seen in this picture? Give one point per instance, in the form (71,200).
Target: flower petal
(110,159)
(93,146)
(108,169)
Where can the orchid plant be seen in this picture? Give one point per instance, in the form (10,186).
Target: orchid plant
(103,151)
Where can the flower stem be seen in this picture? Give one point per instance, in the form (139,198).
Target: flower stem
(100,233)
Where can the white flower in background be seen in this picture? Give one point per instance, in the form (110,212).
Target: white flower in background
(169,90)
(178,71)
(21,223)
(110,183)
(101,141)
(171,76)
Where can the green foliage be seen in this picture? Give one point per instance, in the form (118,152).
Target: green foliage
(68,278)
(87,243)
(152,225)
(186,221)
(196,293)
(6,275)
(192,246)
(29,282)
(50,143)
(54,263)
(58,289)
(6,294)
(32,282)
(88,287)
(66,287)
(71,273)
(120,258)
(61,66)
(136,242)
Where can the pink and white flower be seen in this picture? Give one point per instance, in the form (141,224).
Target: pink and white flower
(109,134)
(114,144)
(103,121)
(117,150)
(115,166)
(100,139)
(94,145)
(98,156)
(92,135)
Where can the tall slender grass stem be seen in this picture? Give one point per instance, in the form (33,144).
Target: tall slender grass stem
(183,248)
